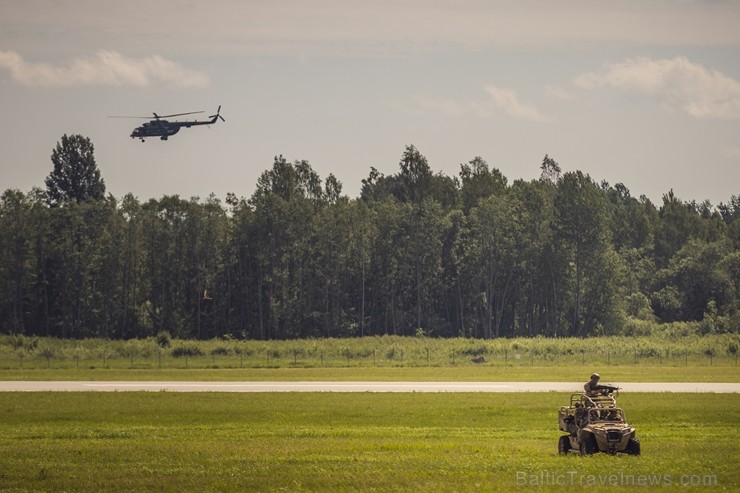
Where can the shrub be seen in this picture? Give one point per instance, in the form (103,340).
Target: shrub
(475,350)
(220,351)
(394,351)
(164,339)
(187,351)
(638,328)
(243,351)
(21,342)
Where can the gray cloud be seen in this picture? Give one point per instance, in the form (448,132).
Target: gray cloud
(105,68)
(507,100)
(676,82)
(380,27)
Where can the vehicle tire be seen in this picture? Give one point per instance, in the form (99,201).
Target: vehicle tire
(589,445)
(564,444)
(633,446)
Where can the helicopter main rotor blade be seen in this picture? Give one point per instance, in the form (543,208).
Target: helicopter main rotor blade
(156,116)
(179,114)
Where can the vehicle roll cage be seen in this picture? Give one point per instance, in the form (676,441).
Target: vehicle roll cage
(603,401)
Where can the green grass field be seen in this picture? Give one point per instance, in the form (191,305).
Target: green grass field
(352,442)
(366,441)
(483,373)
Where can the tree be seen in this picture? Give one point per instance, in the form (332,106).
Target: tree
(580,211)
(496,227)
(541,267)
(16,268)
(75,176)
(550,171)
(694,278)
(478,182)
(415,176)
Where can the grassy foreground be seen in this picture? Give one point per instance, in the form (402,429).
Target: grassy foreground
(476,373)
(352,442)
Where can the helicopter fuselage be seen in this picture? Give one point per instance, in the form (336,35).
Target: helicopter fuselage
(157,128)
(164,129)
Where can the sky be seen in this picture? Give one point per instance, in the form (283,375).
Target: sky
(641,93)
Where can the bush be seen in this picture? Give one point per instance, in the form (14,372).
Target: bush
(475,350)
(24,343)
(219,351)
(164,339)
(243,351)
(187,351)
(638,328)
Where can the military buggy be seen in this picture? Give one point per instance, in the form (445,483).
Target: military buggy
(595,424)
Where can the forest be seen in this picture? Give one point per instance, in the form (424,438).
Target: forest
(417,253)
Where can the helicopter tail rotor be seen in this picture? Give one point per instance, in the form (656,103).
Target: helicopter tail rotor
(217,115)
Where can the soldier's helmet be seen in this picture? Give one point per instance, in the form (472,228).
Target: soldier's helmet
(595,376)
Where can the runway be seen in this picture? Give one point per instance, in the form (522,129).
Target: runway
(100,386)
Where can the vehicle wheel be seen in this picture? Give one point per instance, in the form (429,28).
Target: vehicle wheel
(589,445)
(564,444)
(633,446)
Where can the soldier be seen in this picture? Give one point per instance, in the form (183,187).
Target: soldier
(592,387)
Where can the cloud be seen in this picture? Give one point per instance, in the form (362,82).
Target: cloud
(105,68)
(732,152)
(445,107)
(507,100)
(558,93)
(500,100)
(677,82)
(371,28)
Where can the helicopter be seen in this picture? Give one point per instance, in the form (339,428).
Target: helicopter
(159,127)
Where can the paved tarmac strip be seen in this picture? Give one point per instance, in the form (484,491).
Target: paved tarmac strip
(88,386)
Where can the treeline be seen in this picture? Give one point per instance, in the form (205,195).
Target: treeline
(416,253)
